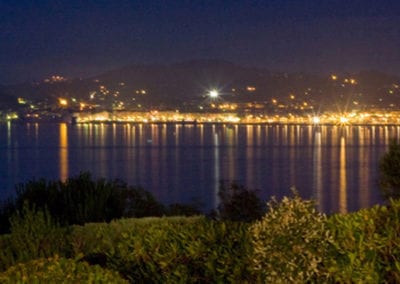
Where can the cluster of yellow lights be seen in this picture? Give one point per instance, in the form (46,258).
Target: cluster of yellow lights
(55,78)
(104,90)
(351,118)
(12,116)
(141,92)
(346,80)
(22,101)
(227,106)
(350,81)
(156,116)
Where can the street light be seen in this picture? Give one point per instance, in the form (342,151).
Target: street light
(213,94)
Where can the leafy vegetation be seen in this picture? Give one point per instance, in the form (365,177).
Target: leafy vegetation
(33,235)
(389,170)
(82,199)
(168,250)
(59,270)
(290,242)
(366,245)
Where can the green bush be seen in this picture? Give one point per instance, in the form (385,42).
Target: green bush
(58,270)
(168,250)
(366,247)
(290,242)
(33,235)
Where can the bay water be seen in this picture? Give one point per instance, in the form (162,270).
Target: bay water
(185,163)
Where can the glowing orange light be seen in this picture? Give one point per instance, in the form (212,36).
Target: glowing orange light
(63,102)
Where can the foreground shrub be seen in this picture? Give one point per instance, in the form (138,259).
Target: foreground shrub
(290,242)
(169,250)
(366,245)
(58,270)
(33,235)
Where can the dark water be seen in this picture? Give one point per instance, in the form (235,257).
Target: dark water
(335,165)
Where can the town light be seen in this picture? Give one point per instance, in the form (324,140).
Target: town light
(63,102)
(343,120)
(316,120)
(213,94)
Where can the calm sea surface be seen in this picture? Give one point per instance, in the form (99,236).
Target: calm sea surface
(336,165)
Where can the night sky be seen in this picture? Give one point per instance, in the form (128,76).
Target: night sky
(83,38)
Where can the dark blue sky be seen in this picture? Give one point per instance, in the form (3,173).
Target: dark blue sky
(81,38)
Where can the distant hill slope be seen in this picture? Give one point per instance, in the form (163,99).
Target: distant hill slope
(188,82)
(6,100)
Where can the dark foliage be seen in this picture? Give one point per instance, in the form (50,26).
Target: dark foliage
(7,208)
(389,171)
(82,199)
(183,210)
(141,203)
(237,203)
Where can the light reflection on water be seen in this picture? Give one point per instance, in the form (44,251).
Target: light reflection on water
(343,177)
(336,165)
(63,151)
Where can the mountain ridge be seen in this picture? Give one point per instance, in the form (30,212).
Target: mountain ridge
(187,83)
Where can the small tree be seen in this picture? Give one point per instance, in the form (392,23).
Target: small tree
(389,171)
(237,203)
(290,243)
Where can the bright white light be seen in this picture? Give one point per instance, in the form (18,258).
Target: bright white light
(213,94)
(344,120)
(316,120)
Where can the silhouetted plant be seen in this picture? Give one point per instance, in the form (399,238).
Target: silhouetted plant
(389,171)
(41,193)
(87,200)
(141,203)
(7,208)
(182,210)
(82,199)
(237,203)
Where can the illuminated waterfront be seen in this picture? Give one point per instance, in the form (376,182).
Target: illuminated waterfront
(336,165)
(377,117)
